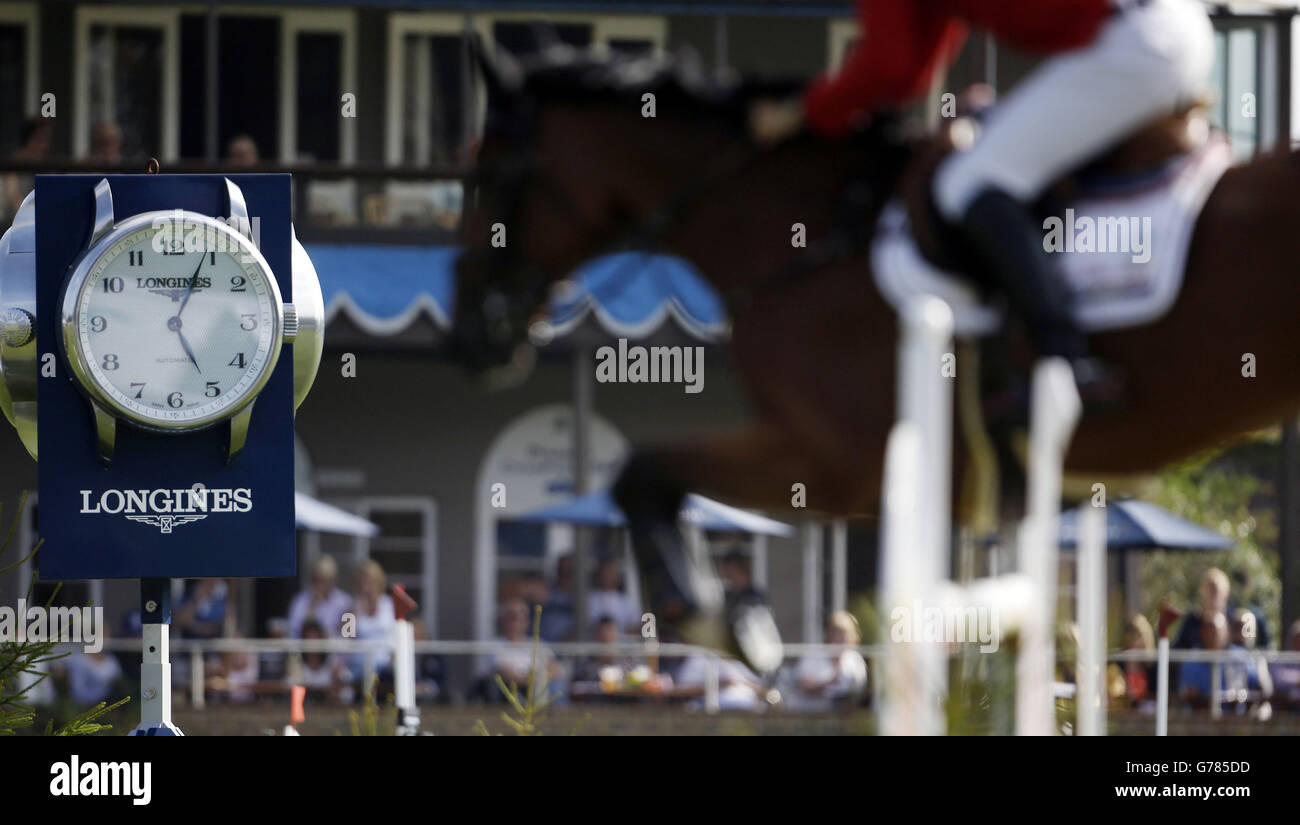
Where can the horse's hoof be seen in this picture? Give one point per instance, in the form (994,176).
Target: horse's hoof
(756,638)
(747,632)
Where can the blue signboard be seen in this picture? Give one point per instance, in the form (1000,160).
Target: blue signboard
(163,503)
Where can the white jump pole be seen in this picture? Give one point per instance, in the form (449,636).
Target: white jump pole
(1162,686)
(1054,412)
(1090,604)
(916,526)
(408,722)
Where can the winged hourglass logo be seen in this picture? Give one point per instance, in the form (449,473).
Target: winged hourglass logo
(166,523)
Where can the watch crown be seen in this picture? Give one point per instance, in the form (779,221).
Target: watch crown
(290,322)
(16,327)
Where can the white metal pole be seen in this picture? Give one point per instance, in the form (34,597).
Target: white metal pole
(1162,686)
(155,660)
(839,564)
(1054,413)
(1090,605)
(916,529)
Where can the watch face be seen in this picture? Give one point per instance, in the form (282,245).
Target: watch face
(172,320)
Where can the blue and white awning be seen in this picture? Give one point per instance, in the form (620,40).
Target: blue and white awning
(383,289)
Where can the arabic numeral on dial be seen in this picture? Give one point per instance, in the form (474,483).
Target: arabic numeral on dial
(98,324)
(238,283)
(139,392)
(114,285)
(212,258)
(175,400)
(212,390)
(110,362)
(249,323)
(238,361)
(135,258)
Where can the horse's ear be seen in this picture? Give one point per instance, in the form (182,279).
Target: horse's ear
(501,74)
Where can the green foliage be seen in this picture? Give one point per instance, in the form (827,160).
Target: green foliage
(373,720)
(1235,493)
(32,659)
(531,706)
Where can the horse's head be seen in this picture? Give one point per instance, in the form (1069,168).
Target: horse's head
(568,168)
(497,287)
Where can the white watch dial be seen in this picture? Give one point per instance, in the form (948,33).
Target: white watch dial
(177,333)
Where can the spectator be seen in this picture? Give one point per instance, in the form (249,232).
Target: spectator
(824,682)
(737,576)
(557,611)
(513,662)
(202,614)
(375,619)
(241,152)
(1260,627)
(1194,678)
(33,147)
(1239,672)
(738,687)
(322,601)
(236,676)
(608,599)
(1245,670)
(1214,600)
(1286,677)
(323,674)
(1139,677)
(106,144)
(94,677)
(605,667)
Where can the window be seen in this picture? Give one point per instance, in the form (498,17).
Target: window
(406,548)
(842,36)
(429,91)
(1236,80)
(626,34)
(127,74)
(18,82)
(436,98)
(320,66)
(281,77)
(431,98)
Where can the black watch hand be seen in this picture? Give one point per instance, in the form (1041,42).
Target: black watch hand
(188,351)
(190,290)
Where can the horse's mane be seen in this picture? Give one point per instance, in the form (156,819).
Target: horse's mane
(680,82)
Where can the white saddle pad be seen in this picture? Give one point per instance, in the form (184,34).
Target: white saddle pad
(1122,255)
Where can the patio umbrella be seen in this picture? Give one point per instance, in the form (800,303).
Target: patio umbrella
(1132,524)
(599,509)
(313,514)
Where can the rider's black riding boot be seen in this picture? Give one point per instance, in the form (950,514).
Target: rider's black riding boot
(1002,233)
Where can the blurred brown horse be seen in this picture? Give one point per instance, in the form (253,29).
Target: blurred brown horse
(573,169)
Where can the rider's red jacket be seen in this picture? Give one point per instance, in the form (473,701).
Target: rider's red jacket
(904,42)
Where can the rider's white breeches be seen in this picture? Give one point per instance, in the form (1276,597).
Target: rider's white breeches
(1146,61)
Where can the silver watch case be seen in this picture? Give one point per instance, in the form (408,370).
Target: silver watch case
(301,323)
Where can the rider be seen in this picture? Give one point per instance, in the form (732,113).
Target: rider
(1114,65)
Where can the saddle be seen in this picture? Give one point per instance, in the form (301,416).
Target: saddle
(1145,152)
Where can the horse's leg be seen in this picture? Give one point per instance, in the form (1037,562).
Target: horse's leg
(755,467)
